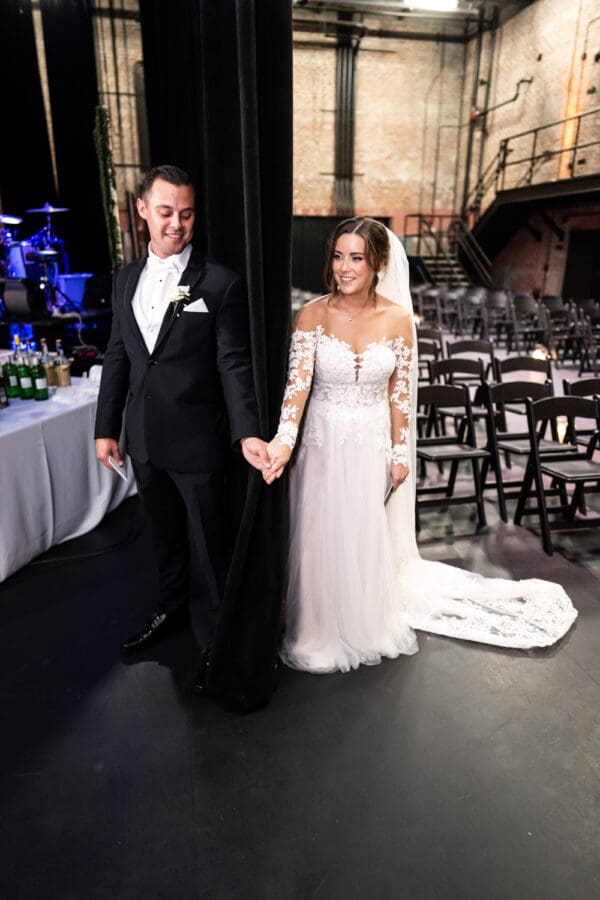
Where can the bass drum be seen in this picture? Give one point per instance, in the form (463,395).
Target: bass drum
(20,263)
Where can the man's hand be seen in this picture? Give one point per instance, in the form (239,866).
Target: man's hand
(106,447)
(280,456)
(256,453)
(398,474)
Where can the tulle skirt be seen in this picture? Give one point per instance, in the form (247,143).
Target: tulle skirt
(356,585)
(343,606)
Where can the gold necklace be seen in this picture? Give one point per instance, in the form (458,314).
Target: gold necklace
(354,315)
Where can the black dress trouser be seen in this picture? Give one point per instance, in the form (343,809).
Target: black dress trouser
(186,511)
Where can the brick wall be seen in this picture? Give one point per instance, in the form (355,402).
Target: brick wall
(546,42)
(314,121)
(413,101)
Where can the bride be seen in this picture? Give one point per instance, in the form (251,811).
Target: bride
(357,587)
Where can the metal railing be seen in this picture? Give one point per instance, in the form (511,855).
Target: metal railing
(445,236)
(539,156)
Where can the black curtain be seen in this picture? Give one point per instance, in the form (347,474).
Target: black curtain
(25,164)
(224,113)
(70,61)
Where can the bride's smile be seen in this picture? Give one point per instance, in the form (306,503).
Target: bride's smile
(352,272)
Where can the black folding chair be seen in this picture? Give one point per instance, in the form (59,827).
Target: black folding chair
(457,448)
(577,469)
(583,387)
(480,348)
(501,439)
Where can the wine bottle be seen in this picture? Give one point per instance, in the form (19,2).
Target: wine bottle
(62,366)
(3,393)
(40,382)
(25,380)
(11,379)
(48,364)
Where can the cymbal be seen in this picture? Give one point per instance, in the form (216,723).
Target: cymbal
(9,220)
(48,209)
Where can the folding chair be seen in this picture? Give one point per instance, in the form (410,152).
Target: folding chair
(583,387)
(502,439)
(578,469)
(516,365)
(461,447)
(480,348)
(430,346)
(529,324)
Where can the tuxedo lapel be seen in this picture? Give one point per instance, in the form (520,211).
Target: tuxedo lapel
(190,277)
(130,286)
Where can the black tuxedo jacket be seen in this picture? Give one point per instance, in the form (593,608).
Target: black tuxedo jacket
(193,395)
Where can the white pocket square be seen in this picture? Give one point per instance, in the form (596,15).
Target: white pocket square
(197,306)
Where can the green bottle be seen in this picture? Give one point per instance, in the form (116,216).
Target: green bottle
(40,382)
(26,391)
(11,379)
(3,395)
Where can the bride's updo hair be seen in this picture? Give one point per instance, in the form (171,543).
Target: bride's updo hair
(376,247)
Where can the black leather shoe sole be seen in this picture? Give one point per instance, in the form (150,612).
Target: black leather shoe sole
(160,626)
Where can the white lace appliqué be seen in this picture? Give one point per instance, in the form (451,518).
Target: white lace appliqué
(301,366)
(400,400)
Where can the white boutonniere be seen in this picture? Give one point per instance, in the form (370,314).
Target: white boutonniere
(181,295)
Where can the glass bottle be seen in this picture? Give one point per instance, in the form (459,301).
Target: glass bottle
(62,366)
(48,364)
(25,379)
(11,379)
(3,393)
(40,382)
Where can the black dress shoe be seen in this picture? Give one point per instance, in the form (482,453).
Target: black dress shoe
(200,681)
(159,626)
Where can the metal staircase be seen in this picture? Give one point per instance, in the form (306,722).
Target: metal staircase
(444,251)
(553,165)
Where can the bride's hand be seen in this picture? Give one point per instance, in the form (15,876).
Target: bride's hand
(398,474)
(279,454)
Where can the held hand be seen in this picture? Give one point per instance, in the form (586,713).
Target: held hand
(256,453)
(106,447)
(398,474)
(280,456)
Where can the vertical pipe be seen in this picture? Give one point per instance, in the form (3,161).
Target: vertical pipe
(346,53)
(459,132)
(472,121)
(488,88)
(436,161)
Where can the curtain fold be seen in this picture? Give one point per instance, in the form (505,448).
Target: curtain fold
(70,62)
(26,179)
(224,113)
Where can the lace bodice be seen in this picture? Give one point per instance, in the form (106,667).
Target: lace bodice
(340,376)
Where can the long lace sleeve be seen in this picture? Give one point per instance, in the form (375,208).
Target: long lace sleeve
(400,400)
(301,366)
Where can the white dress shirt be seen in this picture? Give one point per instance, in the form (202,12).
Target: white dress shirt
(155,289)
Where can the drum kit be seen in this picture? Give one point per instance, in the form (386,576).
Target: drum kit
(40,258)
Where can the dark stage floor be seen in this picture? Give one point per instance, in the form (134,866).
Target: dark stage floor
(463,772)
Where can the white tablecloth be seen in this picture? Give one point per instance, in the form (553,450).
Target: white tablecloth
(52,488)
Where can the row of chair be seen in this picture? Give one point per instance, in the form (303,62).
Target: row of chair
(568,329)
(565,461)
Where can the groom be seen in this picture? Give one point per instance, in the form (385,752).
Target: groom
(178,369)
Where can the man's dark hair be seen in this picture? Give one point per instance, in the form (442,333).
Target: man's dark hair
(172,174)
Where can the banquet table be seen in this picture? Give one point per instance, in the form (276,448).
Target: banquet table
(52,487)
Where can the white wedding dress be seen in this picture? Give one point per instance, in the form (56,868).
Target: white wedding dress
(357,588)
